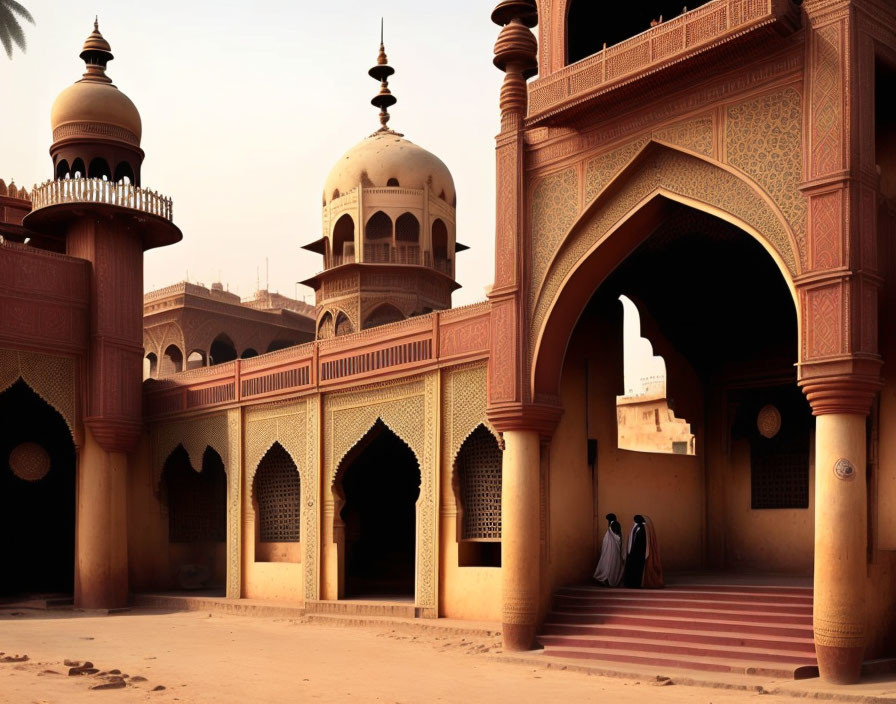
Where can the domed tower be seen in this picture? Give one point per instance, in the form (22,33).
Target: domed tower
(388,230)
(95,210)
(96,127)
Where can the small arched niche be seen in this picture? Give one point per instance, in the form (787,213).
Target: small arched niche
(343,325)
(99,168)
(124,172)
(440,253)
(78,169)
(150,366)
(477,490)
(172,361)
(248,353)
(325,326)
(382,315)
(276,500)
(379,227)
(344,240)
(62,169)
(196,359)
(222,350)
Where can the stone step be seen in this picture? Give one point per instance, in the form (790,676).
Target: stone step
(803,644)
(566,601)
(775,594)
(709,664)
(671,646)
(362,607)
(712,613)
(704,624)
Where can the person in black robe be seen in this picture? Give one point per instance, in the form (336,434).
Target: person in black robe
(636,555)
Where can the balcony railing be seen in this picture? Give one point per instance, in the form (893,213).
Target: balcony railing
(666,43)
(97,190)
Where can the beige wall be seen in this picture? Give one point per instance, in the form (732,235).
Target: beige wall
(269,581)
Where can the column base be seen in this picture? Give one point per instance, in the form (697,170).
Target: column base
(839,665)
(518,637)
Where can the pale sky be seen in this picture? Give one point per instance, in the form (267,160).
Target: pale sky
(246,106)
(639,362)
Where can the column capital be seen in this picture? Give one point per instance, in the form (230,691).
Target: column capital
(847,385)
(537,417)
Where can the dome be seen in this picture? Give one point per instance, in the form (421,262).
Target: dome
(100,104)
(94,107)
(383,156)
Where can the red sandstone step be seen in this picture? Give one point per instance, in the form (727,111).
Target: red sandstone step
(685,595)
(563,601)
(787,593)
(655,646)
(704,614)
(703,624)
(804,644)
(711,664)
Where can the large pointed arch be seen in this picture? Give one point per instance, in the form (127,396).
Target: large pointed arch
(622,216)
(51,378)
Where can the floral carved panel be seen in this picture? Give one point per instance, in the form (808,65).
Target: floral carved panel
(51,378)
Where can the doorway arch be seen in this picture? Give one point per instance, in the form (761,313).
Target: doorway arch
(377,485)
(37,495)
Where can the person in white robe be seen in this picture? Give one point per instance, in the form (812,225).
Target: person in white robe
(611,565)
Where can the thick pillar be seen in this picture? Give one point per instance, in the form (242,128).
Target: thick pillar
(840,546)
(520,538)
(101,575)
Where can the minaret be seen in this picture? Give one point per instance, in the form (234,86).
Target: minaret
(95,207)
(389,232)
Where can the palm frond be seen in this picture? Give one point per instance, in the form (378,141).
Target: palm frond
(10,30)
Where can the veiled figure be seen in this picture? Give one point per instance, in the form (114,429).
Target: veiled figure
(653,567)
(636,553)
(611,565)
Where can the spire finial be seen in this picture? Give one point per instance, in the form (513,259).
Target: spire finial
(96,23)
(96,54)
(381,72)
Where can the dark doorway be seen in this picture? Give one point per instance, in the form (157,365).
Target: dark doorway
(380,484)
(37,496)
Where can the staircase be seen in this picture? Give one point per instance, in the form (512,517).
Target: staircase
(761,630)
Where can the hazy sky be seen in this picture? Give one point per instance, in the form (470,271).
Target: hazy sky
(246,106)
(639,362)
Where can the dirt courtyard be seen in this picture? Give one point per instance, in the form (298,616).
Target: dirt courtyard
(202,657)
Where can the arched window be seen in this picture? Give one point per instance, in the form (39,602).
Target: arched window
(477,475)
(344,241)
(379,227)
(78,170)
(440,246)
(62,169)
(383,314)
(248,353)
(325,326)
(407,229)
(124,172)
(222,350)
(172,360)
(197,501)
(196,359)
(150,366)
(276,498)
(392,183)
(99,168)
(592,25)
(343,325)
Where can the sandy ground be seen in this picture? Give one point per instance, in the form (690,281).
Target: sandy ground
(200,657)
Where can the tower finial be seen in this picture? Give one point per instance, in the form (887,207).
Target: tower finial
(381,72)
(96,23)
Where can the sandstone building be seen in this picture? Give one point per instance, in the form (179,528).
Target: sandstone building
(730,168)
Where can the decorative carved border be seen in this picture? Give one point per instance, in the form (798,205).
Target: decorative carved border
(195,434)
(661,169)
(292,424)
(410,409)
(51,378)
(234,503)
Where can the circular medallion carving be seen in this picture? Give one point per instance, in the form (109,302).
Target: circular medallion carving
(29,461)
(768,421)
(844,469)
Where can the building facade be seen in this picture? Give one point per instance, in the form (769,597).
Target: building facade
(730,169)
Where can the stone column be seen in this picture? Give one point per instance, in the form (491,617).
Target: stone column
(101,576)
(840,546)
(520,538)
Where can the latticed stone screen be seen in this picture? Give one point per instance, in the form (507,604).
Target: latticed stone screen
(479,482)
(780,480)
(277,491)
(197,501)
